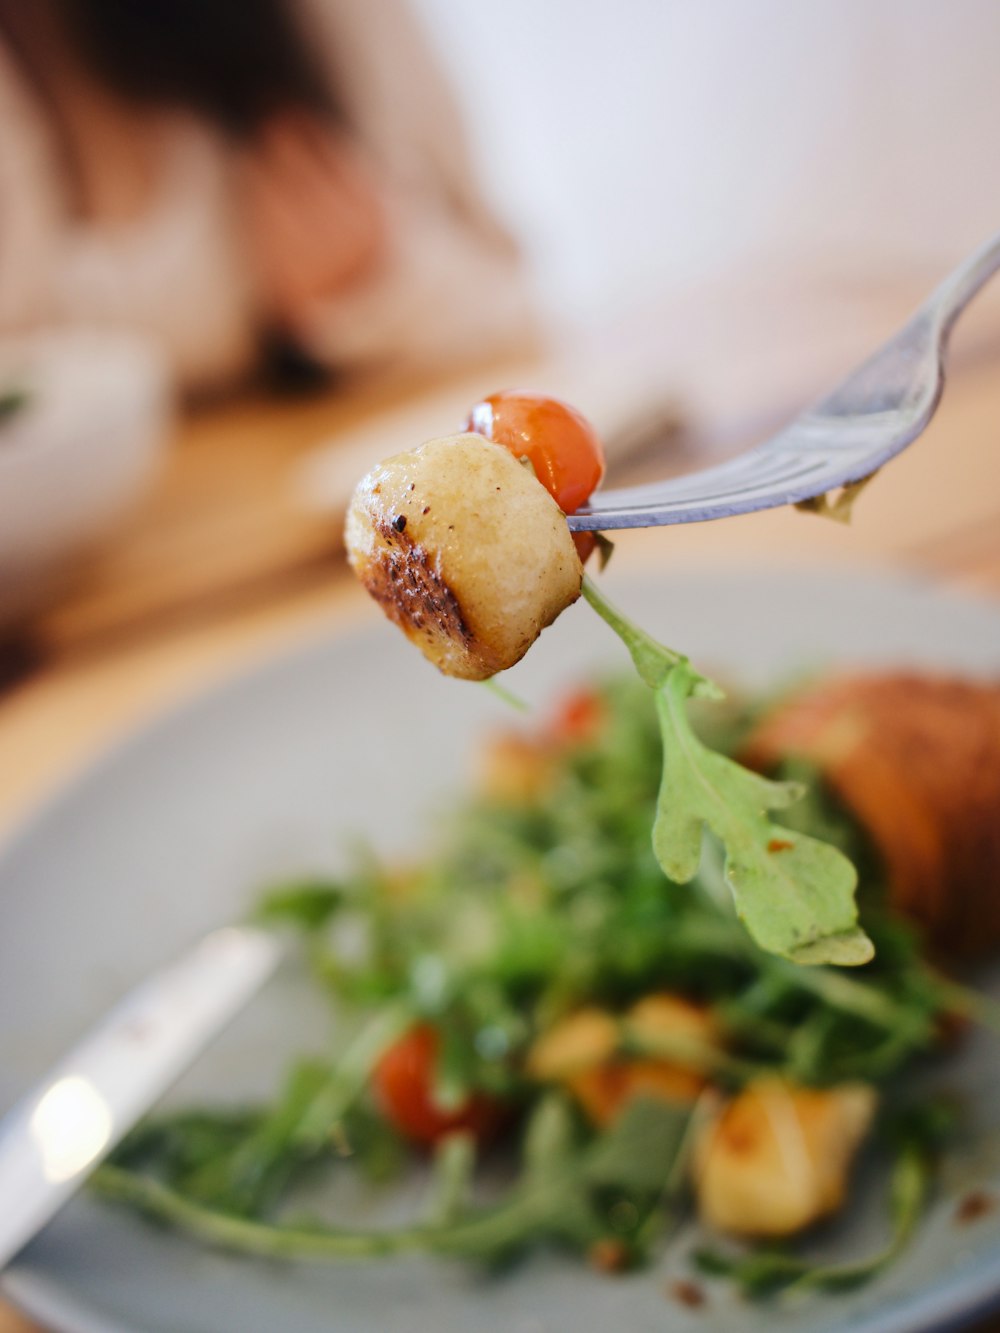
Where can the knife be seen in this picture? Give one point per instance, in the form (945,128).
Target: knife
(57,1134)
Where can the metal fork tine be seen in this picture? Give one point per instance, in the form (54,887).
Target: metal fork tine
(874,414)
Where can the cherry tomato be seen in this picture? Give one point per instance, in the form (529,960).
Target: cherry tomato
(404,1081)
(561,445)
(578,718)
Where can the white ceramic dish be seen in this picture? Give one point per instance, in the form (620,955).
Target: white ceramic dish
(174,831)
(77,454)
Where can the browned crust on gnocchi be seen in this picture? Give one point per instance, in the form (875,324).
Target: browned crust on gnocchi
(410,590)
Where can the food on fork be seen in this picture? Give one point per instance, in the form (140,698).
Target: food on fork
(463,543)
(555,440)
(464,551)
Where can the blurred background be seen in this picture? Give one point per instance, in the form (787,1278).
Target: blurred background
(646,147)
(248,246)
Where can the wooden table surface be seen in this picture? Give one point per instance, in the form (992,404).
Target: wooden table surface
(221,563)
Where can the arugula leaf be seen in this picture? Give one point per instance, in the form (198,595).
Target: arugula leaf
(505,696)
(794,894)
(308,905)
(451,1182)
(557,1197)
(637,1154)
(552,1195)
(605,550)
(12,399)
(841,507)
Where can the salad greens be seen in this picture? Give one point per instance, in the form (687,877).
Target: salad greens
(12,399)
(794,893)
(527,911)
(837,505)
(610,1194)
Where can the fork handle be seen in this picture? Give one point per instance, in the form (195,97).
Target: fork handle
(950,298)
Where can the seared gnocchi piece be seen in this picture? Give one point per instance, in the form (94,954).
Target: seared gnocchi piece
(464,549)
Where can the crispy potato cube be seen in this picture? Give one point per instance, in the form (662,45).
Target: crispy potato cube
(673,1021)
(606,1090)
(584,1039)
(777,1157)
(514,770)
(583,1053)
(465,550)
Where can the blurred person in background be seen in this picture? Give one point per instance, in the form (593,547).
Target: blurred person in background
(238,177)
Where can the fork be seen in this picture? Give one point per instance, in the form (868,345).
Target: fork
(868,419)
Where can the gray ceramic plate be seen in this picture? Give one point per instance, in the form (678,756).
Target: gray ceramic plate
(174,831)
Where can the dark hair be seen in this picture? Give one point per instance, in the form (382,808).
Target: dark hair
(235,62)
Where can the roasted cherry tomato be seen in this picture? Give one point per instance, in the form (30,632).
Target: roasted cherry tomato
(560,444)
(578,718)
(404,1082)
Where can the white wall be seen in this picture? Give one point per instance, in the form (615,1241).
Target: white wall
(643,145)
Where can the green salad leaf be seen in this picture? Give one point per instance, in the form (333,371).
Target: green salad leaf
(642,1148)
(569,1191)
(12,399)
(794,893)
(837,505)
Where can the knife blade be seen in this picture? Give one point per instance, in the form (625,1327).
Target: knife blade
(61,1130)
